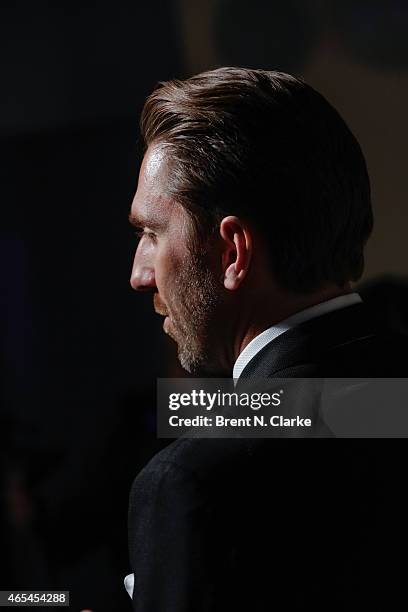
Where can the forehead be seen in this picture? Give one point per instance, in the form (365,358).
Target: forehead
(152,206)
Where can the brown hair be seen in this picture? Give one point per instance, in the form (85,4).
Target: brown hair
(267,146)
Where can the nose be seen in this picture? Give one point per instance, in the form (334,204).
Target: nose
(142,277)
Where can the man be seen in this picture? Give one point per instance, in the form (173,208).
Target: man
(253,210)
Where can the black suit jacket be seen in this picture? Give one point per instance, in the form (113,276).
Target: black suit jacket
(269,524)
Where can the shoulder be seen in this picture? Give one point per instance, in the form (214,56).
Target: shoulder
(344,343)
(191,465)
(377,355)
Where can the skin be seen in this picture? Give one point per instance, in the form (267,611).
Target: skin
(217,300)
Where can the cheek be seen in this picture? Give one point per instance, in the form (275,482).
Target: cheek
(168,268)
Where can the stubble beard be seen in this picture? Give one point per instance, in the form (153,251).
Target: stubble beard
(196,297)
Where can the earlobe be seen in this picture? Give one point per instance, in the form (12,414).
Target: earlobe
(231,280)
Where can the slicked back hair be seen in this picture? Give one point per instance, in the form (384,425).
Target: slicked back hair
(266,146)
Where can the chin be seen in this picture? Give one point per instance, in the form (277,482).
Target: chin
(187,364)
(199,366)
(191,363)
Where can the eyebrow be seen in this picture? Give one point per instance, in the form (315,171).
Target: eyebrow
(140,222)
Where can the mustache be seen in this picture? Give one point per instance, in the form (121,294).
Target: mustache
(159,306)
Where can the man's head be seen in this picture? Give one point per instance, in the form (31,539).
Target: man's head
(170,262)
(258,190)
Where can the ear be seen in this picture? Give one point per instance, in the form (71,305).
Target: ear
(236,251)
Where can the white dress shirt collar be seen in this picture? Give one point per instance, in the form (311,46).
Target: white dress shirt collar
(276,330)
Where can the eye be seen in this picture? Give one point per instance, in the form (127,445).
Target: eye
(150,235)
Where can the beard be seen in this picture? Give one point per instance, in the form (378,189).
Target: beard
(192,307)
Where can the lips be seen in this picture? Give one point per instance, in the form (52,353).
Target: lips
(162,313)
(159,306)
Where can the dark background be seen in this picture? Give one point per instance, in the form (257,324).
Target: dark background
(80,352)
